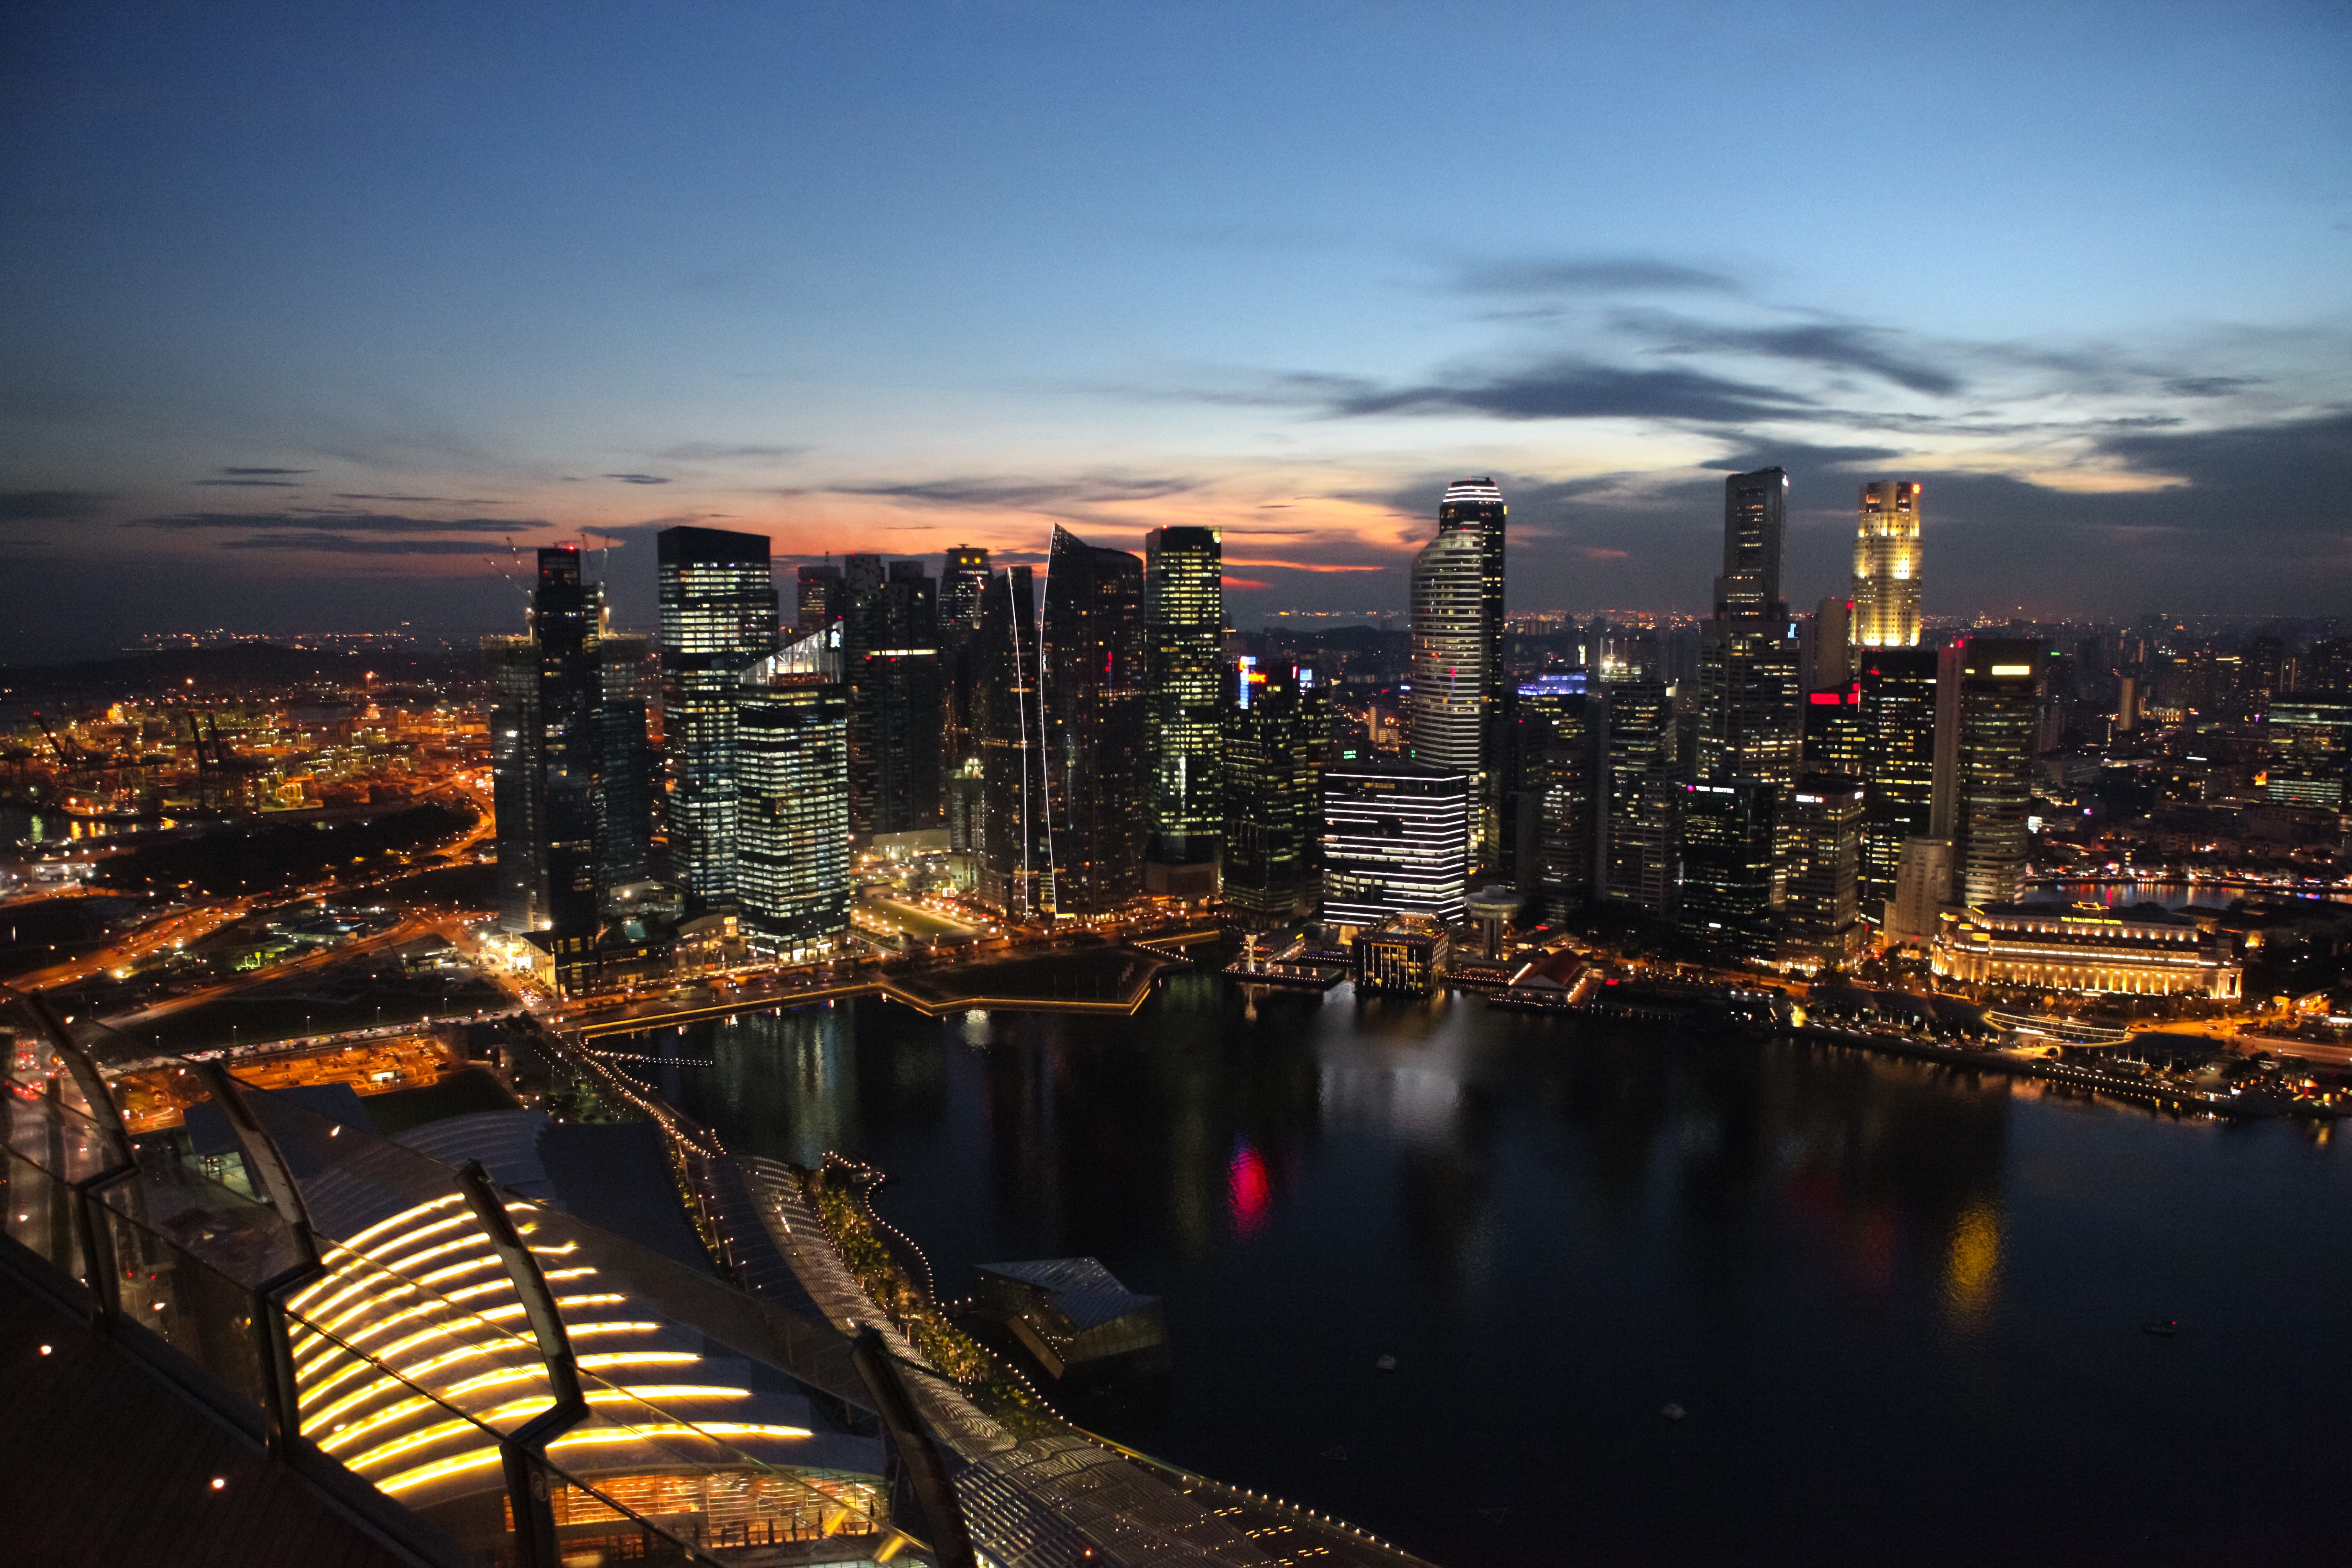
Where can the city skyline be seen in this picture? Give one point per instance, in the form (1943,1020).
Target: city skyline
(325,351)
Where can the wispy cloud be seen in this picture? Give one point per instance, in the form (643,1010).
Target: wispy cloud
(1593,275)
(1575,389)
(49,506)
(323,522)
(1833,345)
(723,452)
(252,473)
(639,478)
(343,544)
(1026,493)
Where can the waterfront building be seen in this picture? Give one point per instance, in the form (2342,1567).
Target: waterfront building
(1184,620)
(964,593)
(1552,808)
(1896,691)
(792,860)
(1403,955)
(1396,841)
(1823,910)
(889,645)
(1986,766)
(2309,743)
(1092,645)
(1277,740)
(1476,506)
(2143,951)
(1013,843)
(1447,712)
(1638,849)
(717,619)
(1725,899)
(1886,567)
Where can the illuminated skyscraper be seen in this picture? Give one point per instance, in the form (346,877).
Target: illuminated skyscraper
(717,618)
(1185,618)
(1755,525)
(1886,567)
(1550,808)
(1990,761)
(889,647)
(1897,690)
(1476,506)
(1638,814)
(1014,846)
(1395,842)
(963,595)
(791,748)
(1750,724)
(1822,908)
(1726,835)
(816,597)
(2310,746)
(629,690)
(1447,713)
(1096,774)
(1277,737)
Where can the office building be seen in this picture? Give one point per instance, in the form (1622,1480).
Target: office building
(1821,912)
(1749,724)
(792,744)
(1476,506)
(1986,766)
(1552,807)
(717,619)
(1184,621)
(1396,841)
(513,664)
(1092,640)
(1834,740)
(1755,527)
(1277,740)
(547,732)
(1403,955)
(1014,846)
(963,593)
(627,765)
(817,598)
(1637,852)
(1446,707)
(2309,742)
(889,646)
(1726,896)
(1824,654)
(1896,691)
(2145,951)
(1886,567)
(1923,884)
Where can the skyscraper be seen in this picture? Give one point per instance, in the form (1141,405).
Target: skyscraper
(1092,640)
(1550,808)
(629,693)
(1477,506)
(1898,687)
(1278,739)
(1755,525)
(1824,878)
(1727,837)
(1992,759)
(515,788)
(1447,710)
(717,618)
(1638,848)
(1014,848)
(1886,567)
(2310,750)
(1395,842)
(889,646)
(792,747)
(816,597)
(1749,723)
(1185,618)
(564,620)
(964,596)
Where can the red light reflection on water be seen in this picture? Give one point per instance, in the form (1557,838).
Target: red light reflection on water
(1247,1192)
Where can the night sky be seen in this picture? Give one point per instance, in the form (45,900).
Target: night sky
(306,311)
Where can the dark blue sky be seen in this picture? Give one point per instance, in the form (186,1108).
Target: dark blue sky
(306,312)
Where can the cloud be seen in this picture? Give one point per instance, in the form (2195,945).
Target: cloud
(250,484)
(1301,565)
(716,452)
(1602,553)
(2209,385)
(1594,275)
(1576,389)
(427,501)
(1834,345)
(334,522)
(1765,453)
(277,472)
(639,478)
(1024,494)
(342,544)
(1244,584)
(49,506)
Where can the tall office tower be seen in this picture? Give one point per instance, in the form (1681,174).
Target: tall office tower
(514,780)
(1092,638)
(817,598)
(2325,665)
(629,691)
(1447,713)
(1748,696)
(1476,506)
(1638,850)
(1277,740)
(791,852)
(1834,740)
(717,619)
(889,645)
(563,618)
(1886,567)
(1823,907)
(1823,654)
(2309,739)
(1897,688)
(1014,846)
(1727,837)
(1556,731)
(1396,841)
(1184,621)
(1992,759)
(963,595)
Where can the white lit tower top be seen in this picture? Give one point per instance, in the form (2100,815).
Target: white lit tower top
(1886,567)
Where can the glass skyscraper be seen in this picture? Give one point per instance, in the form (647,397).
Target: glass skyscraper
(1185,618)
(1278,739)
(791,800)
(1898,719)
(1396,841)
(1013,844)
(889,646)
(1886,567)
(1447,712)
(717,619)
(1092,643)
(1992,766)
(964,593)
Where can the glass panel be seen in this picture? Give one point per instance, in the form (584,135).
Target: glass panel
(39,1216)
(200,1311)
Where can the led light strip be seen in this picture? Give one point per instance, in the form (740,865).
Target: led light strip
(441,1469)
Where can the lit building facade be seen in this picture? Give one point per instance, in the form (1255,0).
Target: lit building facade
(1553,805)
(1446,714)
(1396,841)
(1726,835)
(1278,739)
(890,662)
(1991,766)
(2309,740)
(1749,700)
(1897,692)
(1821,912)
(1886,567)
(1092,641)
(2140,951)
(717,619)
(1637,855)
(1012,842)
(1403,955)
(1476,506)
(791,859)
(964,596)
(1184,619)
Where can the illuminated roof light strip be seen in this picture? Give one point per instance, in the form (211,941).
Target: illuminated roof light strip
(524,1409)
(442,1470)
(388,1376)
